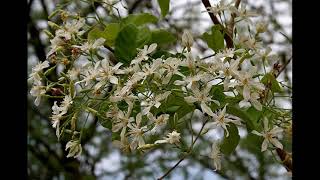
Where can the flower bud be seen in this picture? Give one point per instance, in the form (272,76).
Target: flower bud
(187,40)
(261,27)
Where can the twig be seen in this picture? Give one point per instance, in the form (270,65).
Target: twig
(188,152)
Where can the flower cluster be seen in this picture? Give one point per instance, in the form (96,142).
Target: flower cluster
(135,94)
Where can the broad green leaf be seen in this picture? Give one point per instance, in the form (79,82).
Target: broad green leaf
(252,143)
(110,33)
(269,78)
(250,116)
(214,38)
(164,6)
(230,143)
(161,36)
(139,19)
(128,40)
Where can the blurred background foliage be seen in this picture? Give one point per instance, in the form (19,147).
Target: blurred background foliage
(100,160)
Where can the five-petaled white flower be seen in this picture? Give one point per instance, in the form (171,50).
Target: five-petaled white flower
(269,135)
(221,119)
(91,45)
(172,138)
(136,132)
(74,147)
(154,101)
(159,121)
(143,53)
(203,98)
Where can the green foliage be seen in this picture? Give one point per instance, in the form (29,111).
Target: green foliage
(250,116)
(164,6)
(139,19)
(214,38)
(270,79)
(129,39)
(230,143)
(161,36)
(109,33)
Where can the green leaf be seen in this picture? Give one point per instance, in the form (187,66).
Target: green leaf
(162,37)
(250,116)
(214,38)
(110,33)
(139,19)
(164,6)
(128,40)
(230,143)
(269,78)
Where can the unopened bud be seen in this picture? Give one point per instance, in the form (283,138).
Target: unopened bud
(187,40)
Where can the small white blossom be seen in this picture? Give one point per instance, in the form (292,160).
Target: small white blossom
(172,138)
(269,136)
(215,155)
(155,101)
(87,46)
(74,147)
(159,121)
(136,132)
(38,91)
(203,98)
(221,120)
(143,53)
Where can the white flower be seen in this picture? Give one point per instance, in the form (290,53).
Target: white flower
(155,101)
(38,69)
(221,120)
(252,100)
(244,14)
(171,66)
(75,148)
(65,104)
(248,83)
(265,56)
(230,70)
(159,121)
(87,46)
(71,28)
(187,39)
(269,136)
(38,91)
(90,73)
(151,69)
(172,138)
(220,7)
(56,43)
(189,81)
(136,133)
(121,122)
(106,74)
(123,93)
(203,98)
(143,53)
(73,73)
(215,154)
(189,62)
